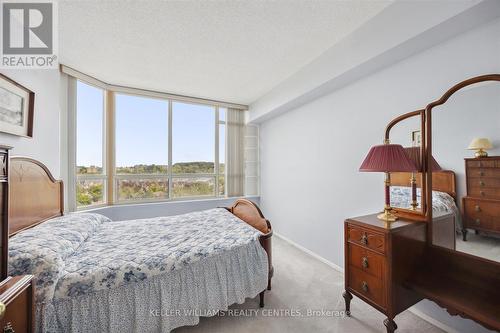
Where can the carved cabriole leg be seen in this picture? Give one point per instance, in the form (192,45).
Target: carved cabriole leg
(261,296)
(347,297)
(390,325)
(464,234)
(269,284)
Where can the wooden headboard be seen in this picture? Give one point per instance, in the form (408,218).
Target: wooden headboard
(34,195)
(442,181)
(251,214)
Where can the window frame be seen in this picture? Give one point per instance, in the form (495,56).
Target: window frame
(83,177)
(110,176)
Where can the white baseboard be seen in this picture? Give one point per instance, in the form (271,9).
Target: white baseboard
(336,267)
(433,321)
(311,253)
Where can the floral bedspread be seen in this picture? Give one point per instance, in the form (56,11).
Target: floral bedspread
(82,253)
(441,202)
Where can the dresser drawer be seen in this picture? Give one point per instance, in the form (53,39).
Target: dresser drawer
(367,238)
(484,192)
(367,285)
(482,214)
(483,182)
(482,164)
(483,172)
(475,221)
(366,260)
(17,295)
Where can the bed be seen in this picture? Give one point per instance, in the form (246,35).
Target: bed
(97,275)
(447,221)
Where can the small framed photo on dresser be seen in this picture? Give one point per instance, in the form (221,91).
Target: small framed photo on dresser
(16,108)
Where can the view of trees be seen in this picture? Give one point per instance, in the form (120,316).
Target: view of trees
(91,192)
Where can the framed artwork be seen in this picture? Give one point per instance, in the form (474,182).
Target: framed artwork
(416,138)
(16,108)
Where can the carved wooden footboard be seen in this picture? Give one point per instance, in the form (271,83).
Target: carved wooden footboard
(249,212)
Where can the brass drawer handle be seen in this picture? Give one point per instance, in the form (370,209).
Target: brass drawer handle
(482,193)
(364,286)
(477,208)
(481,183)
(364,262)
(8,328)
(478,221)
(364,239)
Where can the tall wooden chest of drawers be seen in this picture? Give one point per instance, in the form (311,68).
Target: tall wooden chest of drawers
(481,206)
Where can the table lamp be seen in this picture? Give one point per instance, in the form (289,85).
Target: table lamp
(414,155)
(387,158)
(480,145)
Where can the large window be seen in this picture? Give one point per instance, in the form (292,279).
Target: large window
(90,169)
(141,147)
(133,148)
(193,150)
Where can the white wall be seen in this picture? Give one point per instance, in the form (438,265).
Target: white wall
(310,155)
(45,144)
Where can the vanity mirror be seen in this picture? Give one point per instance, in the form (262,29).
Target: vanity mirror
(464,126)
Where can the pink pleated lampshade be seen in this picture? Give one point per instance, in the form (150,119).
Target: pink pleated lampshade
(388,158)
(414,154)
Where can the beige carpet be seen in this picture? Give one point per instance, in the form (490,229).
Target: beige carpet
(301,283)
(481,245)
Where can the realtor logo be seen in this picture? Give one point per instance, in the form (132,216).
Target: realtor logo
(28,35)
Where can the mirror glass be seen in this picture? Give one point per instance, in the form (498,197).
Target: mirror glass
(466,211)
(405,189)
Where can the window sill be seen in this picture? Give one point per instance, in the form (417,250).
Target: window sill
(223,201)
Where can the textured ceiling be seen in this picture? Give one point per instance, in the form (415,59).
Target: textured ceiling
(224,50)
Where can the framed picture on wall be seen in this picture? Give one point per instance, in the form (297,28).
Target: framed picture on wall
(16,108)
(416,138)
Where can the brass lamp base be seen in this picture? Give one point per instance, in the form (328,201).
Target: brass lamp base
(387,216)
(481,153)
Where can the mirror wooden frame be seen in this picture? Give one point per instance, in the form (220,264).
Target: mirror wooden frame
(418,215)
(427,138)
(474,294)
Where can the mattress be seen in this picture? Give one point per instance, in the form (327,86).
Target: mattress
(94,274)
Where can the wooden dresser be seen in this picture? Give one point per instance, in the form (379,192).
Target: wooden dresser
(378,260)
(481,206)
(16,294)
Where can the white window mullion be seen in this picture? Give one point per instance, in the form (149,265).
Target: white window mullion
(169,169)
(216,165)
(72,177)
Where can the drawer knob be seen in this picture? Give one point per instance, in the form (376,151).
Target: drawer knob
(8,328)
(364,239)
(478,221)
(481,173)
(364,262)
(482,193)
(481,183)
(477,208)
(364,286)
